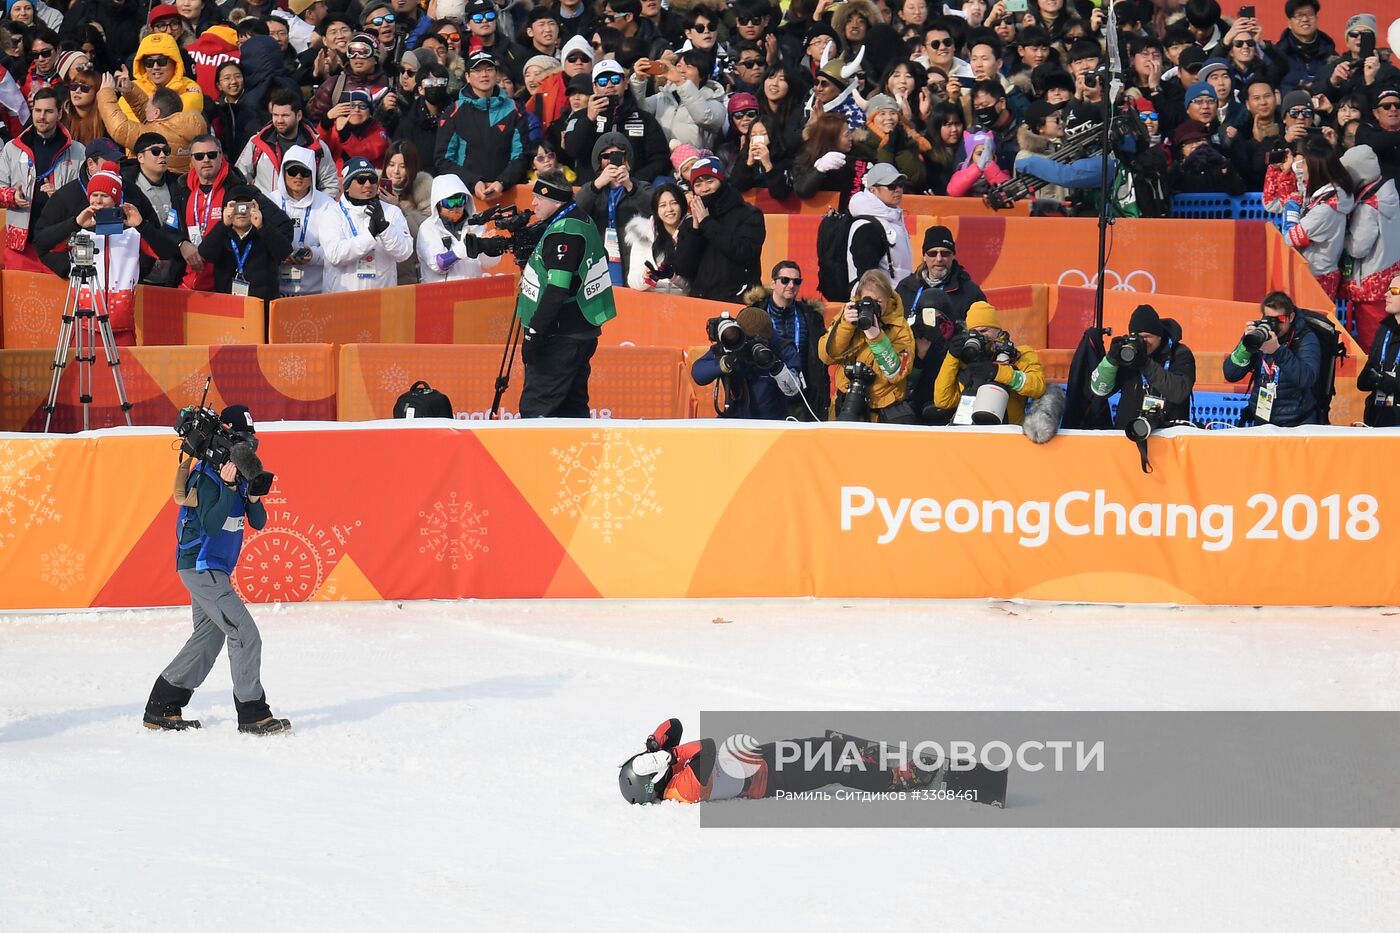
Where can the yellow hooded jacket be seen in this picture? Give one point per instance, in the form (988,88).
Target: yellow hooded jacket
(158,43)
(843,344)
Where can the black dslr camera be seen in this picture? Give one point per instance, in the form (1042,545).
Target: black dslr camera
(732,342)
(855,404)
(969,346)
(1128,350)
(1258,332)
(867,313)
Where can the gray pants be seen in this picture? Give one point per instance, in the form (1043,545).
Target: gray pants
(218,615)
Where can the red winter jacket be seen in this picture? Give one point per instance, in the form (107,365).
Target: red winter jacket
(366,141)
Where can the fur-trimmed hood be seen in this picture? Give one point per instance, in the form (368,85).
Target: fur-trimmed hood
(1035,143)
(849,8)
(757,297)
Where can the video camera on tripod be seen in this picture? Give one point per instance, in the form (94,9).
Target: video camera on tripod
(203,437)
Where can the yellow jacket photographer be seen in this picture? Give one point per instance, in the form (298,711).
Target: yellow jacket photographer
(1024,379)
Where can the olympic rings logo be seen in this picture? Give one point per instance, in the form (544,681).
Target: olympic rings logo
(1139,280)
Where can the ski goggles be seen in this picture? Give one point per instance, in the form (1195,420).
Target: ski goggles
(360,51)
(453,202)
(487,17)
(1148,115)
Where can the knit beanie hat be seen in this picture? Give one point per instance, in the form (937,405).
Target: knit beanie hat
(108,181)
(982,314)
(1145,320)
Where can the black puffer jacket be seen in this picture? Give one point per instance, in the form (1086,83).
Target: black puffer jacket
(1170,375)
(721,257)
(958,286)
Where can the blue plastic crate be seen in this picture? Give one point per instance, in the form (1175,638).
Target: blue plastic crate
(1218,409)
(1203,206)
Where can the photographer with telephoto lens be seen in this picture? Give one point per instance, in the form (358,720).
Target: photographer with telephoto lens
(759,370)
(1379,375)
(1281,356)
(986,378)
(1154,371)
(871,345)
(219,490)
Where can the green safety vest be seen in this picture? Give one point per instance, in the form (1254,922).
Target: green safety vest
(594,297)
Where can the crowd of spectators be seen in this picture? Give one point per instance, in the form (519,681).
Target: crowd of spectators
(366,132)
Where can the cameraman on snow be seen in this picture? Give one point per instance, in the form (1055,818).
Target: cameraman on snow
(758,368)
(215,504)
(985,378)
(1152,368)
(1282,357)
(871,344)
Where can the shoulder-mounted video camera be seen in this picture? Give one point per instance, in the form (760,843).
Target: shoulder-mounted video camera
(203,437)
(509,219)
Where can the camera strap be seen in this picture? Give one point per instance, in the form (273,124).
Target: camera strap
(1142,453)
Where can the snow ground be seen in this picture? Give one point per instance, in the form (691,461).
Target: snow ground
(453,766)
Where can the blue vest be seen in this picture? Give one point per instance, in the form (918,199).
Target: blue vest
(218,551)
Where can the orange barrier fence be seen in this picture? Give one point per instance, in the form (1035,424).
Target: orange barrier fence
(915,205)
(626,382)
(637,511)
(165,317)
(292,382)
(471,311)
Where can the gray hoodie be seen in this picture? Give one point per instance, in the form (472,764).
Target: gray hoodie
(1373,230)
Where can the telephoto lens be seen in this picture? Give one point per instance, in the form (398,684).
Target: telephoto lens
(868,313)
(1257,333)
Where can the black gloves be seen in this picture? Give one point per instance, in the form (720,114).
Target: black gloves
(530,346)
(377,223)
(980,372)
(1386,382)
(897,138)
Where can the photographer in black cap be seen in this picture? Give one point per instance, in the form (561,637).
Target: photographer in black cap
(1153,369)
(215,504)
(565,295)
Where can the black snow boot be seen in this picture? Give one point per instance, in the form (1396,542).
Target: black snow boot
(255,718)
(163,708)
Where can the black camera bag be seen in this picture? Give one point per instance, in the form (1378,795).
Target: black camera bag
(422,401)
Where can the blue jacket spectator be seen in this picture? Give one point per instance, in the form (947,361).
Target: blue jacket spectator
(1289,362)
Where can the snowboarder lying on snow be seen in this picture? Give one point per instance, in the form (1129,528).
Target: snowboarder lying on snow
(742,767)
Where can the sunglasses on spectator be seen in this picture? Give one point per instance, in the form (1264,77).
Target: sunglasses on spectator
(1149,115)
(80,88)
(205,156)
(409,72)
(749,20)
(613,17)
(893,186)
(155,61)
(488,17)
(42,53)
(1357,34)
(381,20)
(1004,21)
(750,62)
(157,150)
(358,105)
(360,51)
(1390,106)
(946,43)
(1393,290)
(704,27)
(450,36)
(789,280)
(1242,43)
(297,171)
(453,202)
(744,114)
(606,80)
(939,253)
(579,58)
(365,180)
(1300,113)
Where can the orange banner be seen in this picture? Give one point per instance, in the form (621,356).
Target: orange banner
(631,382)
(708,509)
(33,305)
(471,311)
(293,382)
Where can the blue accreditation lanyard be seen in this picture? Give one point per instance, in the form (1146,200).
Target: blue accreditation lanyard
(353,230)
(208,210)
(240,258)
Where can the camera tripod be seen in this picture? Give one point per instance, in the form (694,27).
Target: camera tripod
(513,335)
(84,320)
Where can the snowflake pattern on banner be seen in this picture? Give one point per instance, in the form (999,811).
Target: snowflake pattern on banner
(27,493)
(608,481)
(61,567)
(453,531)
(193,386)
(288,560)
(393,378)
(292,367)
